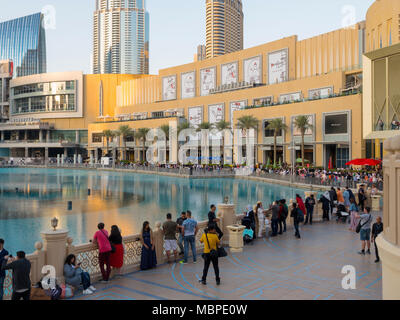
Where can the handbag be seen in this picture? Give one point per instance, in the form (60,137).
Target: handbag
(222,252)
(358,229)
(111,244)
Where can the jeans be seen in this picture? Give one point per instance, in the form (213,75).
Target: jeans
(309,216)
(296,227)
(190,240)
(85,280)
(180,243)
(16,296)
(104,259)
(207,261)
(274,226)
(2,287)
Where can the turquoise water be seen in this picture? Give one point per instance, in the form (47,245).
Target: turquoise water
(124,199)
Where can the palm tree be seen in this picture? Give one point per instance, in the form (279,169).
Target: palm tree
(183,126)
(221,127)
(204,126)
(124,132)
(141,134)
(165,128)
(303,124)
(277,125)
(247,123)
(108,134)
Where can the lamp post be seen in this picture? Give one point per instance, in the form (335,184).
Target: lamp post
(54,223)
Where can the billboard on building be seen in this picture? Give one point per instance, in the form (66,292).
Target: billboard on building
(265,101)
(278,66)
(188,84)
(320,93)
(229,73)
(169,88)
(252,69)
(290,97)
(236,106)
(6,68)
(216,113)
(208,80)
(195,116)
(336,124)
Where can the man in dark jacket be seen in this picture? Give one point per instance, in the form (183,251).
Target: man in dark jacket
(295,215)
(3,253)
(212,218)
(377,229)
(310,204)
(21,282)
(333,195)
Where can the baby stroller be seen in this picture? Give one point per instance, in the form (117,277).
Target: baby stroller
(248,236)
(341,214)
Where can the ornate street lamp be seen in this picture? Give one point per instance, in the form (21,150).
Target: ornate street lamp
(54,223)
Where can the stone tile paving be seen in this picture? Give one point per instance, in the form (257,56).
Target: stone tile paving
(280,268)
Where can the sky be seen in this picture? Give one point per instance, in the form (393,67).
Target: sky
(177,27)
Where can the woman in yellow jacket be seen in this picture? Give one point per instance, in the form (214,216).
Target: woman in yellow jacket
(211,242)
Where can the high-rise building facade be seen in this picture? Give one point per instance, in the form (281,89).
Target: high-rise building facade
(23,41)
(121,37)
(224,27)
(201,53)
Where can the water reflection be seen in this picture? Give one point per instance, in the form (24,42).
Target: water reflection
(116,198)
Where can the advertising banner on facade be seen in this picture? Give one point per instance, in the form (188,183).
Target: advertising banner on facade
(208,80)
(229,73)
(236,106)
(290,97)
(278,66)
(320,93)
(252,69)
(169,88)
(6,68)
(336,124)
(266,101)
(195,116)
(216,113)
(188,81)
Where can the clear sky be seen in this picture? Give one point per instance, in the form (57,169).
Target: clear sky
(178,26)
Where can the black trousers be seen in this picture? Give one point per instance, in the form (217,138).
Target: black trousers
(326,214)
(282,226)
(16,296)
(207,262)
(309,216)
(219,232)
(376,251)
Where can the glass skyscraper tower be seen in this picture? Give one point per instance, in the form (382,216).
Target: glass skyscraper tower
(23,41)
(121,37)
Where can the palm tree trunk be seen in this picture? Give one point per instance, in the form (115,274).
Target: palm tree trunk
(107,147)
(274,148)
(302,148)
(124,156)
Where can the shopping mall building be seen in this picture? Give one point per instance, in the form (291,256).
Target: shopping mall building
(344,81)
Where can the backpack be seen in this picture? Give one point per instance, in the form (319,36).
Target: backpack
(300,216)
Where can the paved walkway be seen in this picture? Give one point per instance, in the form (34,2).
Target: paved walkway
(277,268)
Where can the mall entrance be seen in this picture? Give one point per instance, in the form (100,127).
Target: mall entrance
(339,155)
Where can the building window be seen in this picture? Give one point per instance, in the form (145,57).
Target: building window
(97,137)
(342,157)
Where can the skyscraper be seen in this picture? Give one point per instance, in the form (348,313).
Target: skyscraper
(224,27)
(23,41)
(121,37)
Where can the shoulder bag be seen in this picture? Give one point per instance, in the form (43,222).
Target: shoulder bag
(213,253)
(112,246)
(358,229)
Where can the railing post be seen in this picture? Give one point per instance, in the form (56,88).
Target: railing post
(226,212)
(36,272)
(56,249)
